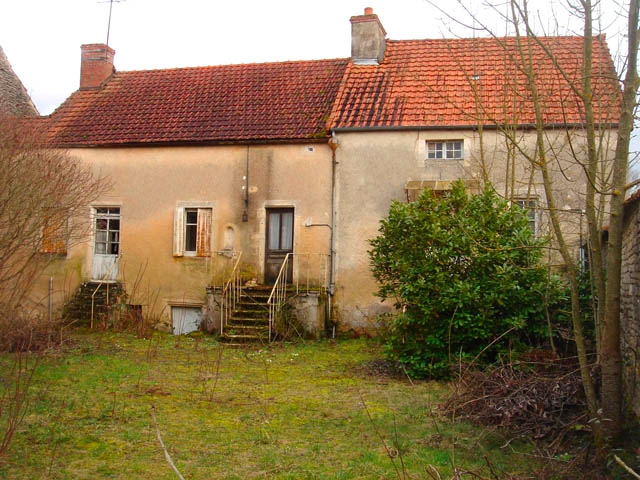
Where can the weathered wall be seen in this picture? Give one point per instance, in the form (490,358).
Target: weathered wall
(374,168)
(630,306)
(150,182)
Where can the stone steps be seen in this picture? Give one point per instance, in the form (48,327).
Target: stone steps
(79,307)
(249,322)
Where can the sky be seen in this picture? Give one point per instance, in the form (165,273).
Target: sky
(42,38)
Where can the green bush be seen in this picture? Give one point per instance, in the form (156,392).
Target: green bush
(465,270)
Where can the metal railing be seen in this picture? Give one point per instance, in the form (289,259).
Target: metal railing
(310,272)
(230,294)
(103,282)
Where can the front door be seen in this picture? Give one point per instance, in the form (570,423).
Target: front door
(279,243)
(106,247)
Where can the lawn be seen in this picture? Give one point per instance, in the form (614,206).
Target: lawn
(294,411)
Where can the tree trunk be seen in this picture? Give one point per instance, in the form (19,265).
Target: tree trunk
(610,355)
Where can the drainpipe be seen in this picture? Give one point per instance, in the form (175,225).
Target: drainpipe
(333,145)
(245,213)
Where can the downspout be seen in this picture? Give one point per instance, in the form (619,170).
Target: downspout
(245,213)
(333,145)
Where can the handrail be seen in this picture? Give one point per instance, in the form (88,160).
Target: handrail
(102,282)
(278,293)
(278,296)
(230,294)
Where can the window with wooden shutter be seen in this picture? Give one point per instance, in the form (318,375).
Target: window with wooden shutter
(54,236)
(192,231)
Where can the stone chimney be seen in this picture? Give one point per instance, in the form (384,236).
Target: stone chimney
(96,65)
(367,39)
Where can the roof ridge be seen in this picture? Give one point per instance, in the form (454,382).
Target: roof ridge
(236,65)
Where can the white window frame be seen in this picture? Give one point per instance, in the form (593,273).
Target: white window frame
(204,226)
(445,149)
(111,235)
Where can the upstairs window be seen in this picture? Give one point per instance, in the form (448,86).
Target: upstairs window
(450,150)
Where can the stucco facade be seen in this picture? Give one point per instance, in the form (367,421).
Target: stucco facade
(149,184)
(375,168)
(201,158)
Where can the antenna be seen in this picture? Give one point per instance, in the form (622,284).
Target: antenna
(110,10)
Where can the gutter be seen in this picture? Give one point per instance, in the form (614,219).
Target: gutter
(526,126)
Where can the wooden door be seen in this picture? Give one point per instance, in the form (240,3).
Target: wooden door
(279,243)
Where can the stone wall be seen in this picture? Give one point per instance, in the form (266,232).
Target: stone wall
(630,305)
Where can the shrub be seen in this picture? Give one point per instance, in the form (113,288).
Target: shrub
(465,271)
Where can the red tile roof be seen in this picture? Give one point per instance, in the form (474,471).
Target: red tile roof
(431,83)
(230,103)
(420,83)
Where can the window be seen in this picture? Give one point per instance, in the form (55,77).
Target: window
(54,232)
(413,188)
(280,223)
(451,150)
(107,231)
(192,231)
(530,205)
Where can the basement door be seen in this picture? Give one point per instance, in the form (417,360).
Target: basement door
(279,243)
(106,247)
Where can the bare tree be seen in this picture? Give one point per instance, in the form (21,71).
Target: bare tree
(44,197)
(591,150)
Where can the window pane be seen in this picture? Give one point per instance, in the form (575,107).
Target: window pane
(114,224)
(101,248)
(454,150)
(192,217)
(114,248)
(101,223)
(287,231)
(274,231)
(190,238)
(101,236)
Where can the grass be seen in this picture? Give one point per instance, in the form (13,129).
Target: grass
(300,411)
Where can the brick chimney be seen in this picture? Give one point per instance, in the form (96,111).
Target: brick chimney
(96,65)
(367,38)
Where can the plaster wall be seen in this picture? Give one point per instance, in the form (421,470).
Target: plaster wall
(374,168)
(149,183)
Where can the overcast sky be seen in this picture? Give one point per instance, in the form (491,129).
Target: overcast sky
(42,38)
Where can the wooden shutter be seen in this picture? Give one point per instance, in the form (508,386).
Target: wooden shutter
(203,237)
(178,232)
(53,236)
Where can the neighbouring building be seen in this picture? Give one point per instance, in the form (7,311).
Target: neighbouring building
(14,99)
(630,303)
(213,166)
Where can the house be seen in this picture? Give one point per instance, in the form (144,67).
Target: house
(14,99)
(226,169)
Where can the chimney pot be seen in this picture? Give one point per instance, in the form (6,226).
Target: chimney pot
(96,65)
(368,11)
